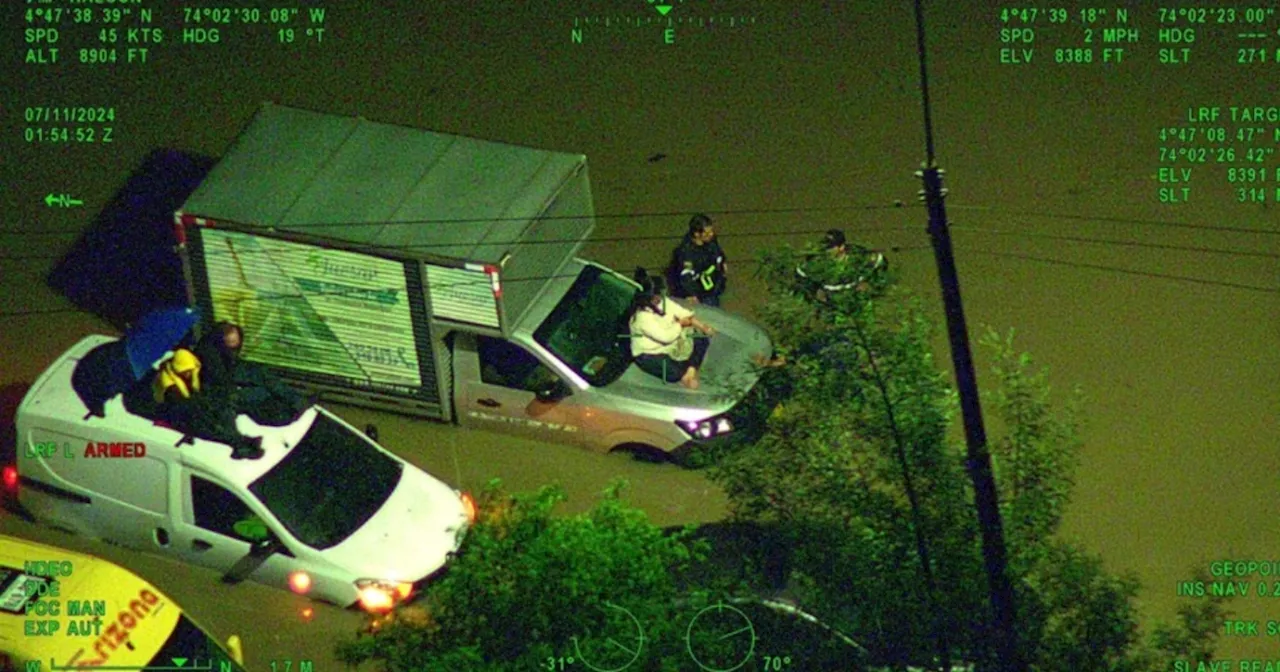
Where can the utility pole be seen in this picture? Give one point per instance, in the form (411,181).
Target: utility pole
(986,497)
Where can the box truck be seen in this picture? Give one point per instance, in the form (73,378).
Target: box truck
(438,275)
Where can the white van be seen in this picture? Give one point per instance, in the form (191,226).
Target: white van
(325,511)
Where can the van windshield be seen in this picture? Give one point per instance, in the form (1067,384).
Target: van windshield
(329,485)
(588,328)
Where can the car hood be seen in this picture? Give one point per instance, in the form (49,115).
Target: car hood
(408,538)
(727,373)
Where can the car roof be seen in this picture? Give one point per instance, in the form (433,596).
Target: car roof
(54,399)
(276,444)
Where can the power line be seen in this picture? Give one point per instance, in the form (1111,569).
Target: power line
(1120,243)
(749,262)
(487,220)
(773,234)
(1201,281)
(360,291)
(486,282)
(518,243)
(999,210)
(1114,220)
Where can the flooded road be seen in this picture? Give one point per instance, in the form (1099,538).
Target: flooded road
(803,120)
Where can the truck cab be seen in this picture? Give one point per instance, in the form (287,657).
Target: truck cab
(566,374)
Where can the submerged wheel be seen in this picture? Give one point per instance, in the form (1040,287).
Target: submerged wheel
(643,452)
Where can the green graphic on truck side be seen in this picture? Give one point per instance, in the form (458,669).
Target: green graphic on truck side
(313,309)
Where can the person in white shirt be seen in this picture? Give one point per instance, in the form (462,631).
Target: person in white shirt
(662,341)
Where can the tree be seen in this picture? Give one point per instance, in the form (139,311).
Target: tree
(857,463)
(529,587)
(1079,616)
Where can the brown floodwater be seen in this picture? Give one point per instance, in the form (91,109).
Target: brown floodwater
(798,121)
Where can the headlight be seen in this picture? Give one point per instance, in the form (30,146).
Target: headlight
(468,507)
(300,582)
(378,596)
(705,429)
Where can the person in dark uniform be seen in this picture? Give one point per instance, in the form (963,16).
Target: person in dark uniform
(250,388)
(839,267)
(699,264)
(219,352)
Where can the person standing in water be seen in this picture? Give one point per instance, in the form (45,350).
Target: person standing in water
(699,264)
(838,268)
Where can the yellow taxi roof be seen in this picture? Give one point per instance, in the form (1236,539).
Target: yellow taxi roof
(102,613)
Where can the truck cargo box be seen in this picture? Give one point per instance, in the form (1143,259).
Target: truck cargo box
(344,246)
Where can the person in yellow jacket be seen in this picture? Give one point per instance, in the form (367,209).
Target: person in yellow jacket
(178,378)
(188,409)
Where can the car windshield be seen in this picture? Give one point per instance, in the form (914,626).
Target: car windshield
(329,485)
(588,329)
(189,642)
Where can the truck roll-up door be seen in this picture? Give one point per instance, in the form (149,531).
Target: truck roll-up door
(467,294)
(319,313)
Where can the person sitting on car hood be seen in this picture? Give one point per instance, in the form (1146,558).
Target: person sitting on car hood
(661,338)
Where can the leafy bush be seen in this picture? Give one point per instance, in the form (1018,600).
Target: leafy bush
(528,587)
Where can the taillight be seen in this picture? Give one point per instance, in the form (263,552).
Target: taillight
(380,596)
(10,479)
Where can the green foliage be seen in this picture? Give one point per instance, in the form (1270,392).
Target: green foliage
(1078,616)
(1075,614)
(1037,457)
(1198,626)
(864,425)
(866,398)
(527,583)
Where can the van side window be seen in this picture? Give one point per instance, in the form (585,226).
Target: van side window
(509,365)
(217,509)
